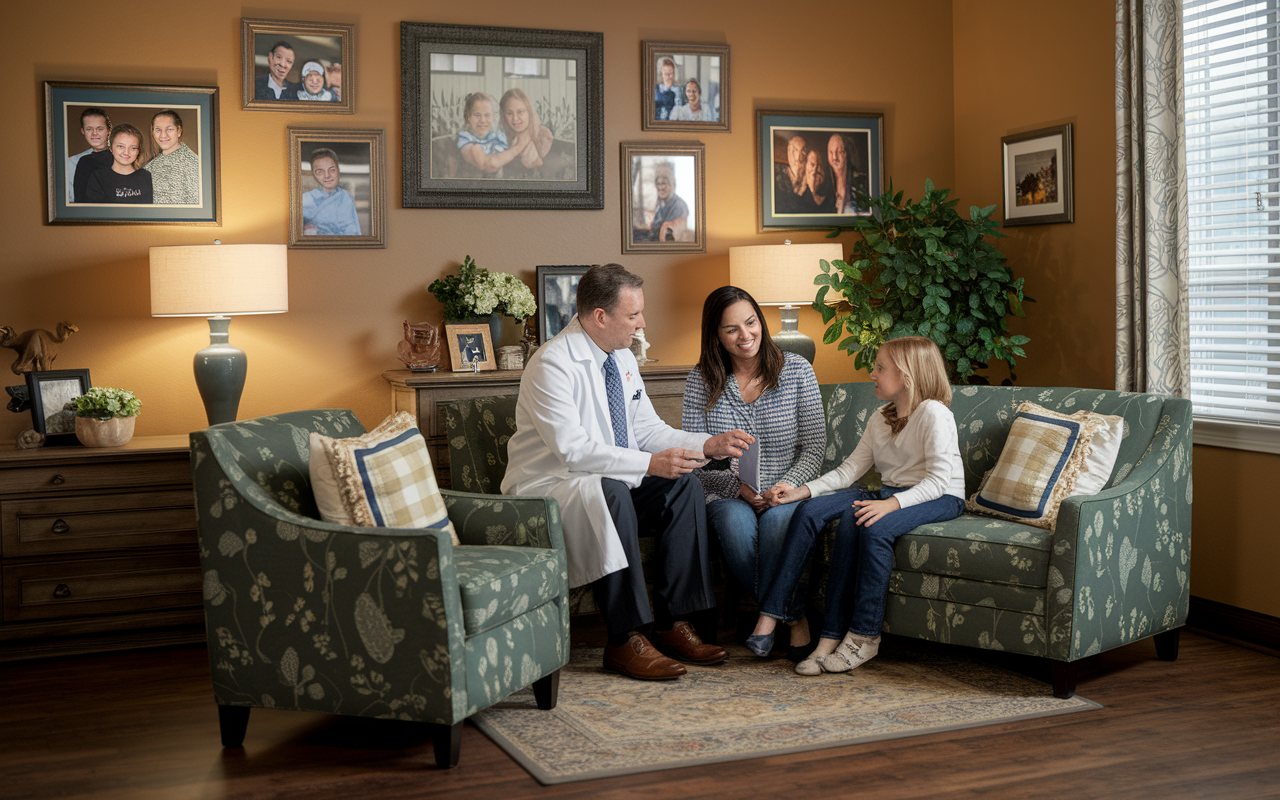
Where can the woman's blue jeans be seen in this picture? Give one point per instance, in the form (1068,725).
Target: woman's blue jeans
(752,545)
(861,560)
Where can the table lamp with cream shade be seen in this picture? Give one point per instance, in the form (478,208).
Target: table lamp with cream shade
(782,275)
(219,281)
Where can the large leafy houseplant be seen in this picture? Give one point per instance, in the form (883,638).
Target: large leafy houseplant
(920,269)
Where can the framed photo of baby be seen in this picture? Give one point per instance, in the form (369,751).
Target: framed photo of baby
(684,86)
(123,153)
(337,188)
(501,117)
(816,170)
(298,66)
(663,197)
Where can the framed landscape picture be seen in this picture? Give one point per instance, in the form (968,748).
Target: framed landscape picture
(663,197)
(684,86)
(501,117)
(1039,187)
(557,298)
(132,153)
(299,67)
(812,167)
(337,189)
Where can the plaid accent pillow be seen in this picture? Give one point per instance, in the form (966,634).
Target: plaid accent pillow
(383,479)
(1043,458)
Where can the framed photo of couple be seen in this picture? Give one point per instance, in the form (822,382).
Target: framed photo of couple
(684,86)
(815,169)
(298,67)
(337,188)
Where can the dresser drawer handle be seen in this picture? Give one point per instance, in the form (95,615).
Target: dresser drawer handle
(62,590)
(58,480)
(60,526)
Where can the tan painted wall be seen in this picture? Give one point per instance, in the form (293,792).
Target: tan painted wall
(1021,66)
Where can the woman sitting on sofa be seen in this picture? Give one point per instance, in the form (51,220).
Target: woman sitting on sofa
(744,382)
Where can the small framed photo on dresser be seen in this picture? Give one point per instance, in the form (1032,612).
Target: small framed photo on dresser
(50,391)
(470,348)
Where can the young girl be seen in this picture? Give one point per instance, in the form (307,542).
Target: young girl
(914,444)
(124,182)
(519,120)
(482,144)
(175,169)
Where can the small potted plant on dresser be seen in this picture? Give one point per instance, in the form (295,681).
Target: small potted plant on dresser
(105,417)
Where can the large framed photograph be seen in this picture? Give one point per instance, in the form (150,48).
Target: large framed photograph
(337,189)
(470,345)
(501,117)
(814,170)
(684,86)
(131,153)
(557,298)
(663,197)
(1039,187)
(298,66)
(50,391)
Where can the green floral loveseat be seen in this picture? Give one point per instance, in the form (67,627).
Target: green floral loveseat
(374,622)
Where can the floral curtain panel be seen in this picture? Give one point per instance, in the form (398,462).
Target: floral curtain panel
(1152,342)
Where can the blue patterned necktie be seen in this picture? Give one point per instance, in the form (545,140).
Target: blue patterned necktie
(617,406)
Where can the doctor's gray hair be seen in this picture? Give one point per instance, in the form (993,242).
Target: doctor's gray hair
(602,284)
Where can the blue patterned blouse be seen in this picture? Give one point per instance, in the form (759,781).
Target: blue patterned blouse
(788,421)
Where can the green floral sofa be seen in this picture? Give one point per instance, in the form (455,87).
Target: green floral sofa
(374,622)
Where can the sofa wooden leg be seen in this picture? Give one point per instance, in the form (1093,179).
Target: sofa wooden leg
(1167,644)
(1064,675)
(447,741)
(233,721)
(546,690)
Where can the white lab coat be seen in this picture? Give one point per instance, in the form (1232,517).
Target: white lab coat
(563,445)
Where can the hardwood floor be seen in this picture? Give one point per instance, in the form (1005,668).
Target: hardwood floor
(143,725)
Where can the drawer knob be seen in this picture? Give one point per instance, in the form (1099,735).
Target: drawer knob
(58,480)
(60,526)
(62,590)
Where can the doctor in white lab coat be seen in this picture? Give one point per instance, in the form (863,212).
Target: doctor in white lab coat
(615,477)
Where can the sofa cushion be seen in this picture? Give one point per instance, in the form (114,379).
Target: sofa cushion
(499,583)
(979,548)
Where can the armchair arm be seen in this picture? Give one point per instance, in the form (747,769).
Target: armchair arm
(488,519)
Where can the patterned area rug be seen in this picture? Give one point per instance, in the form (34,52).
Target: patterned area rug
(606,725)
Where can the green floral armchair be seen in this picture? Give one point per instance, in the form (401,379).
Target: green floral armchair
(375,622)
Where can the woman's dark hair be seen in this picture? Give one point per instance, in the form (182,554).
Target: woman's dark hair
(714,362)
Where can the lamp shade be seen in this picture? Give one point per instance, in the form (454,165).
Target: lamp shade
(219,280)
(780,274)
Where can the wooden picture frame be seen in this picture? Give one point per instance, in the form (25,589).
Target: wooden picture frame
(325,43)
(557,298)
(555,76)
(782,135)
(649,223)
(704,65)
(1038,182)
(50,390)
(463,342)
(178,198)
(321,218)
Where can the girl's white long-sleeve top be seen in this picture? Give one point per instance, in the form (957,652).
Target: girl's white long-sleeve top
(925,455)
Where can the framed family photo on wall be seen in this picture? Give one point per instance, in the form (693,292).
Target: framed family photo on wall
(501,117)
(812,168)
(1039,187)
(663,197)
(298,66)
(125,153)
(557,298)
(684,86)
(337,189)
(50,391)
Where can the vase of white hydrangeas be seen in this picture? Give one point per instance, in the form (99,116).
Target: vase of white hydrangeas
(476,294)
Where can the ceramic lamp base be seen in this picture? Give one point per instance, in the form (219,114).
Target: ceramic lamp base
(790,339)
(220,373)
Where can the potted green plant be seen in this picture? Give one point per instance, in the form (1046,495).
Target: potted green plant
(920,269)
(476,292)
(105,417)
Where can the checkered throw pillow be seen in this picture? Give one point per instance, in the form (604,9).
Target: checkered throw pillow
(1043,458)
(383,479)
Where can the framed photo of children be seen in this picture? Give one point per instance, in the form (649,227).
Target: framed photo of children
(1039,187)
(663,197)
(469,346)
(684,86)
(501,117)
(50,391)
(557,298)
(123,153)
(337,188)
(814,170)
(298,66)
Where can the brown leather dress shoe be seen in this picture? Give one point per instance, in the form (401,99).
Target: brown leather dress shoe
(639,659)
(682,642)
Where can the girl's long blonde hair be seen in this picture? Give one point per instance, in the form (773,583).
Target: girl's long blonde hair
(518,94)
(924,376)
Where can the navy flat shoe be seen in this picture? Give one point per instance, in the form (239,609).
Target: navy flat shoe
(798,653)
(761,644)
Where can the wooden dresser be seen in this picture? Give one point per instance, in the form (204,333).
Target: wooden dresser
(98,548)
(421,393)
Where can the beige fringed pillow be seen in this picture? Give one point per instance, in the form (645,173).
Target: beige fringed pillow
(382,479)
(1048,457)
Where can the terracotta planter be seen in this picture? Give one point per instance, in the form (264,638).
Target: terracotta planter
(104,432)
